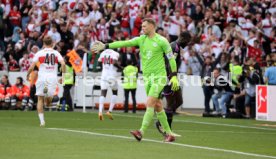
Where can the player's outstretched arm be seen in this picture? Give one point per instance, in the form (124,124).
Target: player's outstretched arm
(99,46)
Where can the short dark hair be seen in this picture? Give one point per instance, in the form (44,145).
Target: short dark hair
(47,40)
(216,69)
(184,39)
(20,80)
(150,20)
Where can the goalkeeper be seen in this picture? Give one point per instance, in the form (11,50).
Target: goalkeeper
(153,49)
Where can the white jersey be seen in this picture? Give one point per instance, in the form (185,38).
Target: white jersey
(108,57)
(48,59)
(134,7)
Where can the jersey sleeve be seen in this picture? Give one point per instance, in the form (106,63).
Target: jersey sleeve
(116,55)
(59,57)
(166,47)
(127,43)
(35,58)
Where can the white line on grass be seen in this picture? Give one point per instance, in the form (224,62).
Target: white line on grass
(155,141)
(206,123)
(221,124)
(198,131)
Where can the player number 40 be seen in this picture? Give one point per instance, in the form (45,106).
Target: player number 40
(50,59)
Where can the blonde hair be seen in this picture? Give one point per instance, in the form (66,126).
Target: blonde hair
(48,40)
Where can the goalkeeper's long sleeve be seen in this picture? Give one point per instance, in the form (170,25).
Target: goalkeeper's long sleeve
(126,43)
(173,65)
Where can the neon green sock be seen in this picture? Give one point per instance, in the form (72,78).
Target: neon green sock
(163,120)
(148,116)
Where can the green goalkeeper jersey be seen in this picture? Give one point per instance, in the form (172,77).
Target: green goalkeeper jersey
(152,52)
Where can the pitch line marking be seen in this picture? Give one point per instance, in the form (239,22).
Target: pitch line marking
(200,131)
(160,142)
(205,123)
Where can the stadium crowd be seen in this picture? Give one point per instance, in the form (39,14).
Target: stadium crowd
(236,36)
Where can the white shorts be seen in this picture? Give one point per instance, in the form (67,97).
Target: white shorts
(109,82)
(50,82)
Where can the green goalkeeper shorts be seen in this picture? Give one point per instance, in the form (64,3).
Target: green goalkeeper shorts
(154,85)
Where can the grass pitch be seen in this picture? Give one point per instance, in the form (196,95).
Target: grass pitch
(78,135)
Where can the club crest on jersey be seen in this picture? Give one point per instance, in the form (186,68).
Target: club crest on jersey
(154,44)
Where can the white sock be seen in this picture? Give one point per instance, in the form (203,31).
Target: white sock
(101,104)
(41,118)
(112,102)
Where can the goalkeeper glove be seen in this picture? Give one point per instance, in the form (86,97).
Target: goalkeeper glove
(174,83)
(98,46)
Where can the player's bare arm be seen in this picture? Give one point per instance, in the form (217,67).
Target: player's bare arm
(31,68)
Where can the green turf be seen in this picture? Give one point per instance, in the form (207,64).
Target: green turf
(22,138)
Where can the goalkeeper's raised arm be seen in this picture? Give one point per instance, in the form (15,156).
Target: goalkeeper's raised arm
(99,46)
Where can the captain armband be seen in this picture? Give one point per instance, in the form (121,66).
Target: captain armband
(170,55)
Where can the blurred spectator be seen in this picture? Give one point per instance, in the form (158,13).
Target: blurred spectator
(176,24)
(223,64)
(2,67)
(81,41)
(193,63)
(16,34)
(125,19)
(270,73)
(249,79)
(207,68)
(215,30)
(20,92)
(137,25)
(54,34)
(130,73)
(33,51)
(66,35)
(15,17)
(103,28)
(5,92)
(222,91)
(24,10)
(198,14)
(68,83)
(24,63)
(13,65)
(113,22)
(191,25)
(129,56)
(134,7)
(95,15)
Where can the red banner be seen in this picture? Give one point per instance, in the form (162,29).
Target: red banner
(262,99)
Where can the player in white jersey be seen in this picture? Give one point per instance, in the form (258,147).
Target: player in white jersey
(48,60)
(109,59)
